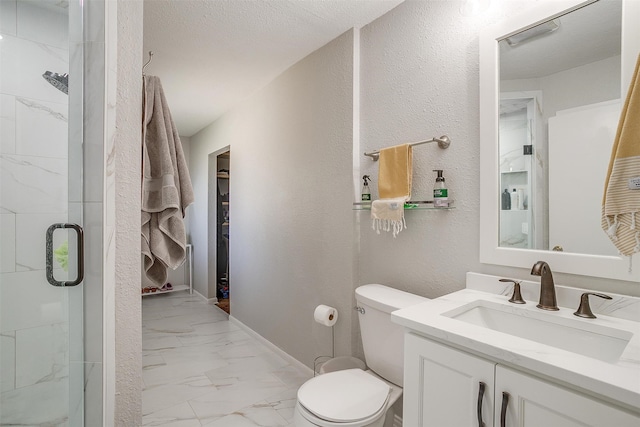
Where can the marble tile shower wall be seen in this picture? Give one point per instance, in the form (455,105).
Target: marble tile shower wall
(34,319)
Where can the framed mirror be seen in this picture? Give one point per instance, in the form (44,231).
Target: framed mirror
(552,84)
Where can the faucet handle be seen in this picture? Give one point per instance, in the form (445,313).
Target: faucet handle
(516,298)
(584,310)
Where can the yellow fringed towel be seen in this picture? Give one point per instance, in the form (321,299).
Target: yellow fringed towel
(395,171)
(621,202)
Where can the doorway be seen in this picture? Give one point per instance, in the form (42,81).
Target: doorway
(222,209)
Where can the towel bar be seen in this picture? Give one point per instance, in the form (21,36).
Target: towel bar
(443,142)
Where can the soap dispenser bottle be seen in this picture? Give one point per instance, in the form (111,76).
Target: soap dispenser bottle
(366,193)
(506,200)
(514,200)
(440,192)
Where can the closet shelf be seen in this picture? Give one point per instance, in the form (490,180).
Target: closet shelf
(421,205)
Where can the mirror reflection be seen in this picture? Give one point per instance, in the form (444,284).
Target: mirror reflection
(559,109)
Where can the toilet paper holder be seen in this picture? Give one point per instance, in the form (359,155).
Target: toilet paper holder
(317,362)
(327,316)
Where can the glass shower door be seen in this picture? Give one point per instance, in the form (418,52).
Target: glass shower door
(41,311)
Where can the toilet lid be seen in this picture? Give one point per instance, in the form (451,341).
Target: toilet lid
(344,396)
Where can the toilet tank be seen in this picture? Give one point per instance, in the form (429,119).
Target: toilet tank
(383,340)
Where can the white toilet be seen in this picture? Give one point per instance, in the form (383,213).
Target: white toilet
(357,398)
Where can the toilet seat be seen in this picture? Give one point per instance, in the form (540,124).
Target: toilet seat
(315,421)
(348,398)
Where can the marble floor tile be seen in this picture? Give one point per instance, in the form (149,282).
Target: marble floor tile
(284,403)
(174,372)
(291,376)
(230,398)
(163,342)
(224,338)
(260,414)
(180,415)
(160,396)
(199,369)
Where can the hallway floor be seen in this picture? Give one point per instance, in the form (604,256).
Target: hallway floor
(199,369)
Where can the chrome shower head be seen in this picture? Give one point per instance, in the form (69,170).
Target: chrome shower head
(59,81)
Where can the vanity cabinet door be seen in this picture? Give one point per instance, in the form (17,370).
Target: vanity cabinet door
(442,386)
(533,403)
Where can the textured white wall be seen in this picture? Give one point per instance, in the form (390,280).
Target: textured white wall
(419,79)
(127,152)
(290,202)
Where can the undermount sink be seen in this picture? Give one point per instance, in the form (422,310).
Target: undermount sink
(586,338)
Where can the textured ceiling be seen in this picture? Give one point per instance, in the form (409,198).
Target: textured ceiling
(212,54)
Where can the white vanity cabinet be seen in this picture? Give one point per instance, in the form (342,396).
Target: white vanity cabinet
(442,387)
(535,402)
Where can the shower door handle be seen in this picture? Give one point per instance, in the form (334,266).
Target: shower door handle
(80,255)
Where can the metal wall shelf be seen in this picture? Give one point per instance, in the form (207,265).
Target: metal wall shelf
(410,205)
(188,260)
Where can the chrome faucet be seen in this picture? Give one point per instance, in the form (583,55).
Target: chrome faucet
(547,288)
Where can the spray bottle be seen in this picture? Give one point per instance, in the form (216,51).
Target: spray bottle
(366,193)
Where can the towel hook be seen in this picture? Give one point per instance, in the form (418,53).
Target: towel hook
(148,62)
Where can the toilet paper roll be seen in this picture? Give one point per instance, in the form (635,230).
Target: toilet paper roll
(325,315)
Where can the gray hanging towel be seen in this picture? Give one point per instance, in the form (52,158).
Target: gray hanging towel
(166,186)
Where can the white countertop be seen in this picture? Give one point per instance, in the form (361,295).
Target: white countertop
(617,382)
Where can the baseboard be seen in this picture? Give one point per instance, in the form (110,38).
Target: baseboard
(208,300)
(286,356)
